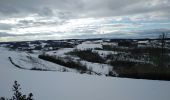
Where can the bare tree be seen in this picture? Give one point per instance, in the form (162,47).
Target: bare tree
(163,38)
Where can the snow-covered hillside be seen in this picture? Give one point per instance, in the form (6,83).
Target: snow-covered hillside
(29,61)
(53,85)
(99,69)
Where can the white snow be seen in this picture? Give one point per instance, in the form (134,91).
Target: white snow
(102,69)
(71,86)
(111,44)
(43,44)
(61,52)
(29,61)
(143,42)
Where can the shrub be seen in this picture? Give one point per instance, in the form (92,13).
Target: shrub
(60,61)
(88,55)
(140,70)
(17,94)
(39,69)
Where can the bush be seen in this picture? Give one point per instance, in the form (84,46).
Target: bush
(88,55)
(140,70)
(60,61)
(122,63)
(39,69)
(17,94)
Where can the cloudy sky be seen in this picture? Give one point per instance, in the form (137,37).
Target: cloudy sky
(63,19)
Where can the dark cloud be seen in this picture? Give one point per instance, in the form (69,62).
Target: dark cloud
(67,9)
(3,34)
(10,8)
(46,11)
(5,26)
(53,13)
(87,8)
(152,33)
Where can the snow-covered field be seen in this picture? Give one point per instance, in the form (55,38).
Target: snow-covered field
(54,85)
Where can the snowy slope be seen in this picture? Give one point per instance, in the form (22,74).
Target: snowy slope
(61,52)
(101,69)
(51,85)
(29,61)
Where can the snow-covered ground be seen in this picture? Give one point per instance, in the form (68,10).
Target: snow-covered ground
(53,85)
(102,69)
(29,61)
(61,52)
